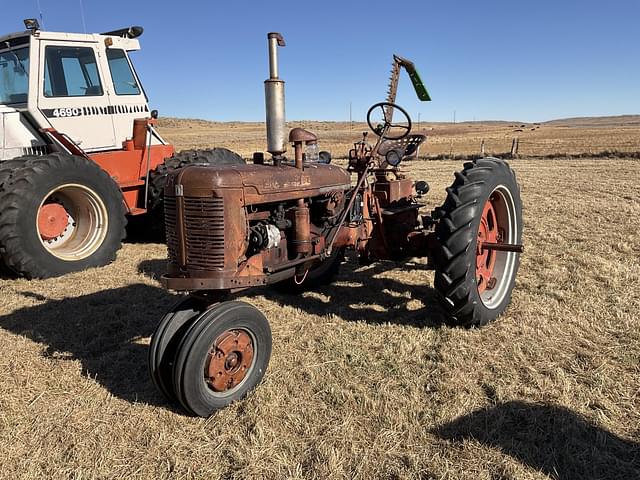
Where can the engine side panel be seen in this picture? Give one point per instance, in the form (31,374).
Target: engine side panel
(264,183)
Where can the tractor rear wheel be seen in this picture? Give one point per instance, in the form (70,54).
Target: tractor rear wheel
(483,206)
(7,168)
(58,214)
(154,221)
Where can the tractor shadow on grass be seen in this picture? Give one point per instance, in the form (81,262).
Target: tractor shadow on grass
(365,294)
(358,294)
(106,331)
(551,439)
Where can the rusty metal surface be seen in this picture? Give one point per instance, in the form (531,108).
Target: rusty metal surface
(301,229)
(263,183)
(297,149)
(198,237)
(211,211)
(229,360)
(301,135)
(488,232)
(502,247)
(389,192)
(393,89)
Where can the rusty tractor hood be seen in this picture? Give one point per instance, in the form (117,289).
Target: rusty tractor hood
(259,183)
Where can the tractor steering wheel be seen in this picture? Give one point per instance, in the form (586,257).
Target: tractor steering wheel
(401,129)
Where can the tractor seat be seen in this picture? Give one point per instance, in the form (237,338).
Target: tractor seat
(407,145)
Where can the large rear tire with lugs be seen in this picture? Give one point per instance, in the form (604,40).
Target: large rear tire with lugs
(7,168)
(58,214)
(482,207)
(154,221)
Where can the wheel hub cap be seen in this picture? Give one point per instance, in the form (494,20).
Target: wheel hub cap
(486,259)
(52,221)
(229,360)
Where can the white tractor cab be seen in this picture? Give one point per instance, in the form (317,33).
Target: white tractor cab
(78,149)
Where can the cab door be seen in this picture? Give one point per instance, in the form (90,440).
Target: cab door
(73,95)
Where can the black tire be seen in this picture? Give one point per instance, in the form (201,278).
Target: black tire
(84,190)
(456,258)
(153,223)
(7,168)
(322,274)
(190,387)
(165,341)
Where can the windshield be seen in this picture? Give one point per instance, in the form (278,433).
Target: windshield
(14,76)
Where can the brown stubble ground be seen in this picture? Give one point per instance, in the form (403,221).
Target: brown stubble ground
(571,136)
(365,381)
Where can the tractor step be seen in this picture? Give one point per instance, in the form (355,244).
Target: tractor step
(131,184)
(137,211)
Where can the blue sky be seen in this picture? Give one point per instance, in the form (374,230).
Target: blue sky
(507,60)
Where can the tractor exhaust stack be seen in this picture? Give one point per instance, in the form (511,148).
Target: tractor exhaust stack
(274,100)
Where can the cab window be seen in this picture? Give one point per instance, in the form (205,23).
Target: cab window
(124,82)
(71,72)
(14,76)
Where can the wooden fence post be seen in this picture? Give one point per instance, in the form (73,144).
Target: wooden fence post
(514,147)
(482,148)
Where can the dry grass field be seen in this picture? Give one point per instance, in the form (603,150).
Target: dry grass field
(365,380)
(571,136)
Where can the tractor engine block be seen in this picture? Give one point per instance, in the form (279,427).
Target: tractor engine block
(244,225)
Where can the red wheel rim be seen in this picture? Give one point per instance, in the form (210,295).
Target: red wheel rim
(52,221)
(230,360)
(488,231)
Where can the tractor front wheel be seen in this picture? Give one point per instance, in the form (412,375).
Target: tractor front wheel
(221,357)
(59,213)
(482,211)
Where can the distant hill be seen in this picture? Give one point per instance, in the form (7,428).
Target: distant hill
(612,121)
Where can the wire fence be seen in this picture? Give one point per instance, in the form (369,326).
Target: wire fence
(516,147)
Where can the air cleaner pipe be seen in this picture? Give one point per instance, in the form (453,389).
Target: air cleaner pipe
(274,100)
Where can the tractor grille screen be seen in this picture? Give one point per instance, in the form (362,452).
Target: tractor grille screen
(204,232)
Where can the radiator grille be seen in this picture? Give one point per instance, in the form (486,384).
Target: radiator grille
(204,232)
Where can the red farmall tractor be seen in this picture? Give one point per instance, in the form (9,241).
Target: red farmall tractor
(78,149)
(288,221)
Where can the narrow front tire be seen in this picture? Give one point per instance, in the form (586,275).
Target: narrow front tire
(222,357)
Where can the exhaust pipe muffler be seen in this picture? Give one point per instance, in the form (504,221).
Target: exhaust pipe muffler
(274,100)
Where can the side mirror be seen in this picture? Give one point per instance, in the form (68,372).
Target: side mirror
(324,157)
(154,114)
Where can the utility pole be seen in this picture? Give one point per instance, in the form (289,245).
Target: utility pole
(350,116)
(418,120)
(454,116)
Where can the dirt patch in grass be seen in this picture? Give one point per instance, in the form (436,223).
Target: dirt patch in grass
(365,381)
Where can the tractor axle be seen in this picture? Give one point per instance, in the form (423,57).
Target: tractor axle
(503,247)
